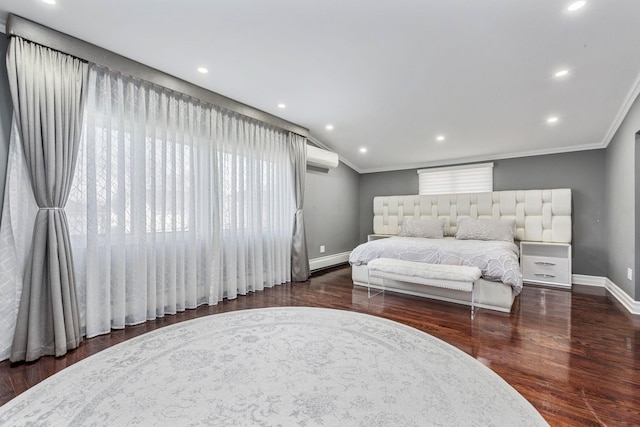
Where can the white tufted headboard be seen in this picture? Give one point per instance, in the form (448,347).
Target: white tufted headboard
(541,215)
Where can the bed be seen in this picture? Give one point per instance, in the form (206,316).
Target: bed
(534,215)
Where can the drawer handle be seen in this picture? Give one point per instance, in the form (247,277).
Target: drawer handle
(544,263)
(546,276)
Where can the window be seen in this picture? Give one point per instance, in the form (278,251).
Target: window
(250,202)
(476,178)
(105,181)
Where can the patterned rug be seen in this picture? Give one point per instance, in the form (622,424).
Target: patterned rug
(276,367)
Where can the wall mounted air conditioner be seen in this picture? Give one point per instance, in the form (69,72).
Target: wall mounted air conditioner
(319,158)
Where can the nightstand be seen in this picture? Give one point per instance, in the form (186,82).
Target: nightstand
(547,264)
(372,237)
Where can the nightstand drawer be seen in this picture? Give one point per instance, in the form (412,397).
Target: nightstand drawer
(545,269)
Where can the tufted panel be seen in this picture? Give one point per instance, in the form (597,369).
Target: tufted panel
(541,215)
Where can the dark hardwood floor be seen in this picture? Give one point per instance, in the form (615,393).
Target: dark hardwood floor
(574,355)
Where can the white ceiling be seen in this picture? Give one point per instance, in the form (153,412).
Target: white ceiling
(390,75)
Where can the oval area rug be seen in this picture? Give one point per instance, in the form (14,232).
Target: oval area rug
(292,366)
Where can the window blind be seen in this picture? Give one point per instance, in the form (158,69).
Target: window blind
(456,179)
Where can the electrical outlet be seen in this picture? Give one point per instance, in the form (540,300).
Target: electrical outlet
(321,249)
(629,274)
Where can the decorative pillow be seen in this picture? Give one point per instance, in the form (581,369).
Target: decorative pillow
(429,228)
(486,229)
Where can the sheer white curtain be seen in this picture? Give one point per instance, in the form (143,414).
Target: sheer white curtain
(16,231)
(174,204)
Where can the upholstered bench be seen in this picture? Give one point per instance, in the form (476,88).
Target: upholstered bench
(455,277)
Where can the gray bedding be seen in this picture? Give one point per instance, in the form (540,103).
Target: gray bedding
(497,260)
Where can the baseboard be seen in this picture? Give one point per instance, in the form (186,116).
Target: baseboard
(581,279)
(328,261)
(604,282)
(624,298)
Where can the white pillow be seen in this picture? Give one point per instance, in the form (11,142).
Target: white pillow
(486,229)
(429,228)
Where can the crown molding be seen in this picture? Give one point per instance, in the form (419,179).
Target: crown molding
(631,97)
(484,158)
(622,113)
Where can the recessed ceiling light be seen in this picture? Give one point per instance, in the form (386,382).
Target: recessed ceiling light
(562,73)
(282,106)
(576,5)
(552,119)
(49,1)
(363,150)
(329,127)
(202,70)
(440,138)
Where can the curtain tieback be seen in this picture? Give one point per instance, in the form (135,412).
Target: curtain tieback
(50,209)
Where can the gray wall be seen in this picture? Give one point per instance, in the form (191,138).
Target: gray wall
(636,269)
(583,172)
(394,183)
(331,207)
(6,110)
(621,193)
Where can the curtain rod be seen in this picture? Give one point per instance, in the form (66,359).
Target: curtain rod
(45,36)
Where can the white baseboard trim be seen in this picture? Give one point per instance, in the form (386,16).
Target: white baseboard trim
(581,279)
(603,282)
(328,261)
(624,298)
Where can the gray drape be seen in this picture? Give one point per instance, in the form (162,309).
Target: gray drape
(47,90)
(299,254)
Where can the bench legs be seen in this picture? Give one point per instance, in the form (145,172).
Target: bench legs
(369,296)
(473,288)
(473,313)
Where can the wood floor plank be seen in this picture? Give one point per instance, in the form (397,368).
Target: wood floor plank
(575,355)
